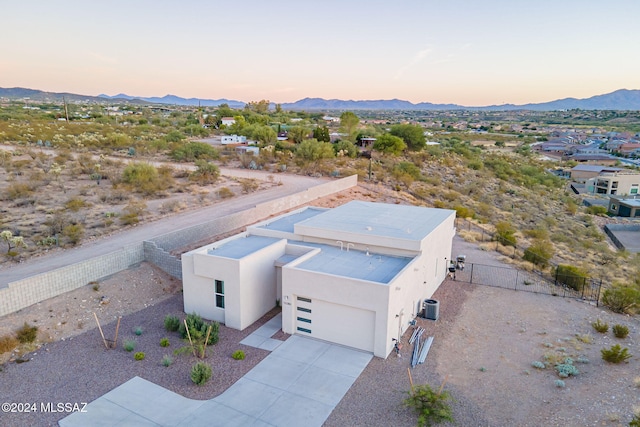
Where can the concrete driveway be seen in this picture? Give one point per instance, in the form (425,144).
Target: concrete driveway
(298,384)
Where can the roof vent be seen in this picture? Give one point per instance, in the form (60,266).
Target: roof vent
(369,228)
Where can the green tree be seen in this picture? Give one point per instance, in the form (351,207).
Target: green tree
(349,122)
(412,135)
(260,107)
(432,407)
(298,134)
(389,144)
(313,150)
(321,133)
(194,151)
(265,135)
(347,148)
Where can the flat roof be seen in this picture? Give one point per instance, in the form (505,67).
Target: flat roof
(630,202)
(379,219)
(354,264)
(243,246)
(594,168)
(287,222)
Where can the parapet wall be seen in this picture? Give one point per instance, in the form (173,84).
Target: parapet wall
(31,290)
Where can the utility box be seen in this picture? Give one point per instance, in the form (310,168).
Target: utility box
(431,309)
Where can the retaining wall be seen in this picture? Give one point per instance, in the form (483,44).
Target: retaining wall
(31,290)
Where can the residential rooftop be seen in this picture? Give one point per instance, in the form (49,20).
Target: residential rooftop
(243,246)
(286,223)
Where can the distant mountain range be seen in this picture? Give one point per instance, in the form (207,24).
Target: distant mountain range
(622,99)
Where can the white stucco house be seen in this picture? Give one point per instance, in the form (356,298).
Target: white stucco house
(355,275)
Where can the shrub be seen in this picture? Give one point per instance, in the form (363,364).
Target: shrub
(539,253)
(167,360)
(194,151)
(615,354)
(200,373)
(238,355)
(132,212)
(143,178)
(171,323)
(566,369)
(431,406)
(597,210)
(198,329)
(73,232)
(139,355)
(225,193)
(75,204)
(27,333)
(559,384)
(620,331)
(505,234)
(164,342)
(205,173)
(571,276)
(635,421)
(129,345)
(600,327)
(538,365)
(622,299)
(8,343)
(137,330)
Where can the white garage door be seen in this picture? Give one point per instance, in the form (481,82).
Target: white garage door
(349,326)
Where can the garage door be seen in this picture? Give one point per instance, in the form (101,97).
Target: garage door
(349,326)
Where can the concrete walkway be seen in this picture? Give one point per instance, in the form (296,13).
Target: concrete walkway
(298,384)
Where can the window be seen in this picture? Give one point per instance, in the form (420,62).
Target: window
(306,310)
(304,299)
(634,189)
(302,319)
(304,330)
(219,293)
(614,207)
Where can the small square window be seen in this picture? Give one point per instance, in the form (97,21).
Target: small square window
(219,287)
(220,301)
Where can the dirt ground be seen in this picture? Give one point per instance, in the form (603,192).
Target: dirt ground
(485,342)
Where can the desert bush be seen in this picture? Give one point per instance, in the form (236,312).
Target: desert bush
(635,421)
(129,345)
(249,185)
(505,233)
(17,190)
(238,355)
(27,333)
(73,233)
(205,173)
(599,326)
(143,178)
(139,355)
(622,299)
(167,360)
(596,210)
(615,354)
(75,204)
(164,342)
(571,276)
(431,406)
(171,323)
(137,330)
(559,383)
(225,193)
(463,212)
(198,329)
(566,369)
(132,212)
(620,331)
(8,343)
(192,151)
(538,365)
(200,373)
(539,253)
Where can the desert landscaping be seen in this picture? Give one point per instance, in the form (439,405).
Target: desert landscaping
(486,340)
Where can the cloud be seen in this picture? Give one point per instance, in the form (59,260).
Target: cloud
(418,57)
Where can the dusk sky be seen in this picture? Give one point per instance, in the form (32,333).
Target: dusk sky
(468,52)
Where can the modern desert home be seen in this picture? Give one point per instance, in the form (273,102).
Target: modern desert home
(355,275)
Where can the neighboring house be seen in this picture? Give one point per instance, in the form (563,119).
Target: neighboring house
(581,173)
(244,149)
(233,139)
(620,183)
(625,206)
(592,159)
(627,149)
(355,275)
(227,121)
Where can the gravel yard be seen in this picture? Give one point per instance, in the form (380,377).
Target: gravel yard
(485,341)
